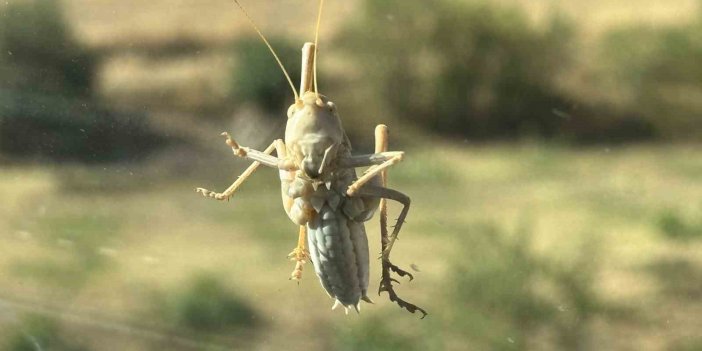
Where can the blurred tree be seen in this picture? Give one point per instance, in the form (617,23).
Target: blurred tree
(207,305)
(46,104)
(463,68)
(375,334)
(659,72)
(256,76)
(40,333)
(40,54)
(509,298)
(673,225)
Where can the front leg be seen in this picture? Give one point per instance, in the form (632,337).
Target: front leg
(251,154)
(229,192)
(258,157)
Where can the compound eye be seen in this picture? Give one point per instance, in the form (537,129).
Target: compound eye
(292,109)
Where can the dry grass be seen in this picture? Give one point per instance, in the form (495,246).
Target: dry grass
(199,78)
(108,23)
(147,243)
(599,15)
(113,254)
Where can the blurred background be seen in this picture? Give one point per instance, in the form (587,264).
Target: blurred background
(553,160)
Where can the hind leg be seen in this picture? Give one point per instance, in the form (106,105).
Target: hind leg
(387,241)
(300,254)
(381,145)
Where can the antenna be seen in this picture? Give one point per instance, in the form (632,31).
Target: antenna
(292,86)
(316,47)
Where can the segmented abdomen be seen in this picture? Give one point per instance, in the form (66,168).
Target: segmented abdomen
(339,251)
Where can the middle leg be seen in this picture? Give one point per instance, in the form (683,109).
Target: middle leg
(379,162)
(373,172)
(299,254)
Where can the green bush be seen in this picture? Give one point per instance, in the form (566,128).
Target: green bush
(479,71)
(57,127)
(46,85)
(375,335)
(693,344)
(256,76)
(507,297)
(72,254)
(676,227)
(467,69)
(657,71)
(39,333)
(680,279)
(207,305)
(39,52)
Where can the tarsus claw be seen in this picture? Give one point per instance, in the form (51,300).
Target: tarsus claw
(386,286)
(212,194)
(238,150)
(301,256)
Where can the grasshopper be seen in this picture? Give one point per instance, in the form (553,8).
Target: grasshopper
(322,194)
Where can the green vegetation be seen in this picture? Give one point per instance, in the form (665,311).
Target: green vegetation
(207,305)
(509,295)
(256,77)
(39,52)
(658,72)
(679,278)
(47,104)
(689,345)
(676,227)
(40,333)
(533,244)
(530,247)
(478,71)
(375,334)
(74,243)
(466,69)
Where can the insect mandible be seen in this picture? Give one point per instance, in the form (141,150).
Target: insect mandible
(322,193)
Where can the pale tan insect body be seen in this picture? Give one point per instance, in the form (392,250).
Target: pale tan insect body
(323,195)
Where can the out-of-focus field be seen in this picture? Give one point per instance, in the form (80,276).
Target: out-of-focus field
(106,22)
(520,243)
(138,69)
(110,264)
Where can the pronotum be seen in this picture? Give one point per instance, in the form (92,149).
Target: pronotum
(322,193)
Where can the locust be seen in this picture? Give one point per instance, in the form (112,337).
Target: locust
(322,193)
